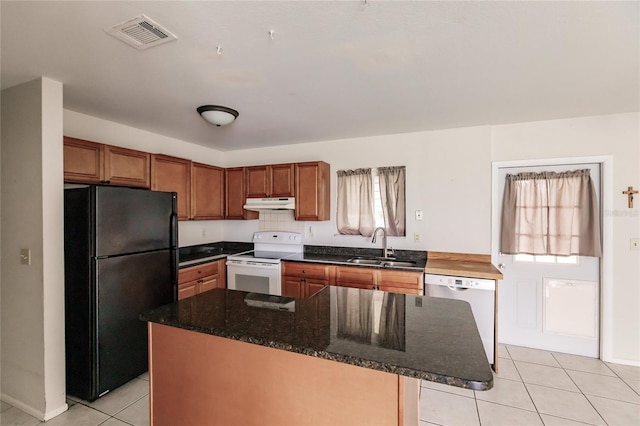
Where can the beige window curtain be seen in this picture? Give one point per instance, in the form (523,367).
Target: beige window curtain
(392,193)
(355,314)
(355,202)
(550,213)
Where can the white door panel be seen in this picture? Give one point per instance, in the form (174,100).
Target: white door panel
(549,306)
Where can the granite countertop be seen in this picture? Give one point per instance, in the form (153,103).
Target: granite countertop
(416,336)
(203,253)
(341,256)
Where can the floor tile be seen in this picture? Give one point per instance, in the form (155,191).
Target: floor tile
(559,421)
(616,412)
(447,409)
(120,398)
(136,414)
(4,406)
(625,371)
(536,356)
(544,375)
(634,384)
(507,392)
(582,363)
(496,414)
(565,404)
(503,352)
(507,370)
(446,388)
(604,386)
(16,417)
(144,376)
(113,422)
(78,415)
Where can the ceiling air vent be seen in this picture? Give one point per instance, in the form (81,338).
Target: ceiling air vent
(141,33)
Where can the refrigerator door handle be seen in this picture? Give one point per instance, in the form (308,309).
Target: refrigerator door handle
(174,231)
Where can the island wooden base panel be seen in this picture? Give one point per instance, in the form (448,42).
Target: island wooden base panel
(207,380)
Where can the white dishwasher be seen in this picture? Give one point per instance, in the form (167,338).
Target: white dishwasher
(478,292)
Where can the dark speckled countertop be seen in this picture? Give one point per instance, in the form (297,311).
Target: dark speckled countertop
(341,256)
(203,253)
(416,336)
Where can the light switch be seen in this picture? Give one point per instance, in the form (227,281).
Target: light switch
(418,214)
(25,256)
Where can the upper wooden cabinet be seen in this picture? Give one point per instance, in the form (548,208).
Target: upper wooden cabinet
(91,162)
(275,180)
(312,191)
(173,175)
(207,192)
(235,194)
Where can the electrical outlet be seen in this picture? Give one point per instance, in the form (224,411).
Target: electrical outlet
(417,237)
(635,244)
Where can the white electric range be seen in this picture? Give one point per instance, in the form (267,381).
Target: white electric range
(259,270)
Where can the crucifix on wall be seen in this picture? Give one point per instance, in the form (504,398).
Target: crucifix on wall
(629,193)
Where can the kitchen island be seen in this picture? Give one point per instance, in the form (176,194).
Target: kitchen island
(342,356)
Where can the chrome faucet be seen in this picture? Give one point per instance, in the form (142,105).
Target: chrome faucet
(385,251)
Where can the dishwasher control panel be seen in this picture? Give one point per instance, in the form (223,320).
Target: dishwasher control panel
(460,282)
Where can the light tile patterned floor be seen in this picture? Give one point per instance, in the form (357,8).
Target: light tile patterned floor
(534,387)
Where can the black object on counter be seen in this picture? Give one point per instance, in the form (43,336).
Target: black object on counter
(120,261)
(417,336)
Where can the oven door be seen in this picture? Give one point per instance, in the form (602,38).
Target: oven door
(254,277)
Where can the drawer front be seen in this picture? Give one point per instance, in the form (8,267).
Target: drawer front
(345,275)
(402,290)
(187,290)
(306,270)
(404,279)
(196,272)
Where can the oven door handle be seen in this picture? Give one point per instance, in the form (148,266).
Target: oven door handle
(253,265)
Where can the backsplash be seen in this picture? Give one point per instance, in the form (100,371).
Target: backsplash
(280,220)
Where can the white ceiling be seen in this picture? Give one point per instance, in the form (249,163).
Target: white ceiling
(332,69)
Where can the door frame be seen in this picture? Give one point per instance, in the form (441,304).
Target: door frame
(606,205)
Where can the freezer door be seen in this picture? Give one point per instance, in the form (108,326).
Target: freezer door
(127,287)
(133,220)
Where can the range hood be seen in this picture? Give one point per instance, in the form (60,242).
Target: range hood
(260,204)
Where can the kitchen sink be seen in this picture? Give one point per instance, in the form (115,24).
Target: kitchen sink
(409,263)
(381,261)
(364,261)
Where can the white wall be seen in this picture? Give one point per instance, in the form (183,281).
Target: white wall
(86,127)
(33,366)
(448,177)
(610,135)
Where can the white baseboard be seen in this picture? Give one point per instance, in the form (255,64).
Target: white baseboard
(33,411)
(630,362)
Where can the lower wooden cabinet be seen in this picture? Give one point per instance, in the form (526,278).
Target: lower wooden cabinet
(391,280)
(200,278)
(302,280)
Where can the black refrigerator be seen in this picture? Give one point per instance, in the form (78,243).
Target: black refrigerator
(120,261)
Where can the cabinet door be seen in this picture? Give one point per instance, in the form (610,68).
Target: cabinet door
(313,286)
(282,180)
(83,161)
(174,175)
(312,191)
(207,283)
(351,275)
(406,280)
(187,290)
(126,167)
(207,192)
(292,287)
(258,182)
(235,194)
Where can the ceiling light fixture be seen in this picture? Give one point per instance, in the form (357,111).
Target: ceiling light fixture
(217,115)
